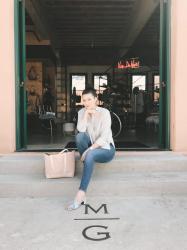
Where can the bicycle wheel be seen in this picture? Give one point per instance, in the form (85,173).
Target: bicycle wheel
(116,124)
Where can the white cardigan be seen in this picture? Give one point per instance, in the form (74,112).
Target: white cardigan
(98,127)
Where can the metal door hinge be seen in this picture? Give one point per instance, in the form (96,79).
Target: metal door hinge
(22,84)
(163,84)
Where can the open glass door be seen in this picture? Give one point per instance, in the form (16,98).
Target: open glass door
(164,130)
(21,126)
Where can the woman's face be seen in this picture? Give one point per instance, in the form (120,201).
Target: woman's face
(89,101)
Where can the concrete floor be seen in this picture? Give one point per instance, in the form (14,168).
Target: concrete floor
(136,202)
(142,223)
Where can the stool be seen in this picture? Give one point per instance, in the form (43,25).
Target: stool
(152,120)
(69,128)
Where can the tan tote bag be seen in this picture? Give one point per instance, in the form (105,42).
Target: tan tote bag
(60,165)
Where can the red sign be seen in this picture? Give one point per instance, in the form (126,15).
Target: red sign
(129,64)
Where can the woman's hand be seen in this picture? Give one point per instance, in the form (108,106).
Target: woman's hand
(90,111)
(94,146)
(84,154)
(87,113)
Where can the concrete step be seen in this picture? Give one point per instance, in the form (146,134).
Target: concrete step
(129,174)
(122,163)
(140,184)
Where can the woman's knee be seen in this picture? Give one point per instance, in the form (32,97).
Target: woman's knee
(80,136)
(105,156)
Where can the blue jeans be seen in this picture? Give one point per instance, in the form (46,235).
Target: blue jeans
(95,155)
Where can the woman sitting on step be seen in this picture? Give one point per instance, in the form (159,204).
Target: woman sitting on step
(94,141)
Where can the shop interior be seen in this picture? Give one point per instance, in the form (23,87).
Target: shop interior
(110,45)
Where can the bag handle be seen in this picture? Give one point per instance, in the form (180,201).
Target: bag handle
(63,151)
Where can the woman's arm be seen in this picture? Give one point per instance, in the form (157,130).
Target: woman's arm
(82,120)
(105,129)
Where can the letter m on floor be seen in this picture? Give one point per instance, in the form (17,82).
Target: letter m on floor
(96,211)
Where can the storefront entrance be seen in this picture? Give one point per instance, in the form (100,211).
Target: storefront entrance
(118,47)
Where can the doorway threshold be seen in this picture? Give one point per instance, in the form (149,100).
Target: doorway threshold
(117,149)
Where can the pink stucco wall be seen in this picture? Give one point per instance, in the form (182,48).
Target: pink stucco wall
(179,75)
(7,79)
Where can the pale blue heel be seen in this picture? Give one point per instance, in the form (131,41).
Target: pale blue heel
(75,205)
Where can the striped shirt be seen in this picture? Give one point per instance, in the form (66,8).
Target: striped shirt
(98,127)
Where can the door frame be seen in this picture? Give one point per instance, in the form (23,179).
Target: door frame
(20,74)
(165,72)
(165,69)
